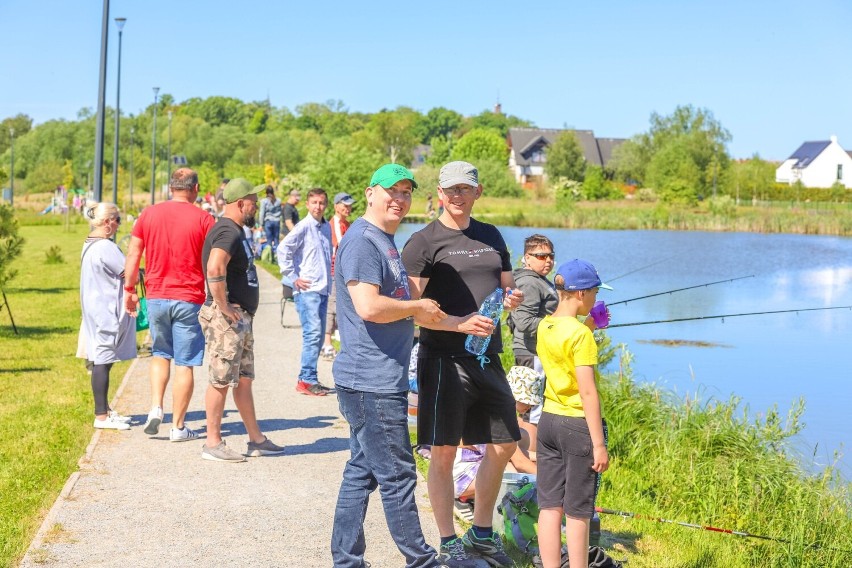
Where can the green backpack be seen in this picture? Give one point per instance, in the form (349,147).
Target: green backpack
(520,518)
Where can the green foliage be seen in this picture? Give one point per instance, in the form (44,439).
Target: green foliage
(497,180)
(481,144)
(53,255)
(442,149)
(500,122)
(568,192)
(393,133)
(11,243)
(647,194)
(427,179)
(752,177)
(596,187)
(675,174)
(565,158)
(344,167)
(722,205)
(45,176)
(21,124)
(439,122)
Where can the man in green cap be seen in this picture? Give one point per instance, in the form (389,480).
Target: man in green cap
(226,318)
(376,316)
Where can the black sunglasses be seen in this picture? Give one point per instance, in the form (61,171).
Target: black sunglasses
(543,255)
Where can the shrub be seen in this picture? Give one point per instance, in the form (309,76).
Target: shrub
(497,180)
(53,255)
(568,192)
(723,205)
(646,195)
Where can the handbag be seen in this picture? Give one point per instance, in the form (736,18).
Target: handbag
(142,309)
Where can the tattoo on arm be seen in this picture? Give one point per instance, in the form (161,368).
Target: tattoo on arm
(215,279)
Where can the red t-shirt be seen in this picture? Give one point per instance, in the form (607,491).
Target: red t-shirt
(172,234)
(338,229)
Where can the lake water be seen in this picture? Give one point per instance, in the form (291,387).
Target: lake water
(766,360)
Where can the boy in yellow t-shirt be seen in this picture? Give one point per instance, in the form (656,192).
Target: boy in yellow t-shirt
(571,450)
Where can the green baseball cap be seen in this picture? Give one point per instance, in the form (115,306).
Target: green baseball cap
(389,174)
(238,188)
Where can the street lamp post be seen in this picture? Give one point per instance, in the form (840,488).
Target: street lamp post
(11,166)
(119,22)
(132,155)
(99,123)
(154,146)
(170,146)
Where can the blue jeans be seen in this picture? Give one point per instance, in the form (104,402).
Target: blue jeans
(312,308)
(272,229)
(380,456)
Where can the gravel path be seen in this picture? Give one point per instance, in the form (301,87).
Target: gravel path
(144,501)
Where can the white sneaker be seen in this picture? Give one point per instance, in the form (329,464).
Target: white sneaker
(119,417)
(109,423)
(183,435)
(155,418)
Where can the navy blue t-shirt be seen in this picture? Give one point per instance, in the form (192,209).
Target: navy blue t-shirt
(373,357)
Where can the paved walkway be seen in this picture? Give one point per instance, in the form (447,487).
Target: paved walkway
(142,501)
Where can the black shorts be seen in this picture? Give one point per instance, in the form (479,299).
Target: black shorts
(565,476)
(459,399)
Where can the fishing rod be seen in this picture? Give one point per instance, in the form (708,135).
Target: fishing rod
(641,268)
(680,290)
(729,316)
(711,528)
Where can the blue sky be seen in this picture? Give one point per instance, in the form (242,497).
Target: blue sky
(774,73)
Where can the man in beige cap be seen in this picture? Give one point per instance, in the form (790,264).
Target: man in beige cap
(226,318)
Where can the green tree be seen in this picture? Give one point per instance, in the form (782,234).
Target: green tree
(442,149)
(481,144)
(496,121)
(394,133)
(21,123)
(496,179)
(752,178)
(596,186)
(438,122)
(565,158)
(344,167)
(674,174)
(11,243)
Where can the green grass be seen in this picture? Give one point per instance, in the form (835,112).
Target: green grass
(45,394)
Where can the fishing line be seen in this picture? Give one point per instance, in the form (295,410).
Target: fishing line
(680,290)
(642,268)
(723,316)
(711,528)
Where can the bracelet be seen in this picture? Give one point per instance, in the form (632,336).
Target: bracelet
(130,289)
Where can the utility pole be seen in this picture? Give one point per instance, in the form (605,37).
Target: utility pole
(154,147)
(99,122)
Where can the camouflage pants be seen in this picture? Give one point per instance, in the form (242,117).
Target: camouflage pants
(230,346)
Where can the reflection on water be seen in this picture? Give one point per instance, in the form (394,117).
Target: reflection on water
(772,359)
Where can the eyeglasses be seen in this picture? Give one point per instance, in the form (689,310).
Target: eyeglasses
(464,190)
(543,255)
(117,220)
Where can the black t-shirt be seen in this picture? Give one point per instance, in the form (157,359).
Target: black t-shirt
(289,211)
(463,268)
(241,278)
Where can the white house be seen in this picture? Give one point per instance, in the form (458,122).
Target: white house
(817,164)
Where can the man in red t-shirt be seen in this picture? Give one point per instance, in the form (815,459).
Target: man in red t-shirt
(343,203)
(171,235)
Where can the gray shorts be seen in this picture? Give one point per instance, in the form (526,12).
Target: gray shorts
(565,476)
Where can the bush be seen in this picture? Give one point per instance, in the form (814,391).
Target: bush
(723,205)
(568,192)
(497,180)
(53,255)
(646,195)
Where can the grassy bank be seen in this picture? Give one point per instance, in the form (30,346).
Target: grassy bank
(45,394)
(768,217)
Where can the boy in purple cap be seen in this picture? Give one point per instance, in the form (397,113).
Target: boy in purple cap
(571,420)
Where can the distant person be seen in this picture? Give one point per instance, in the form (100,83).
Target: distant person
(226,318)
(571,422)
(430,208)
(376,330)
(108,331)
(270,218)
(458,261)
(304,257)
(219,201)
(171,235)
(339,222)
(289,213)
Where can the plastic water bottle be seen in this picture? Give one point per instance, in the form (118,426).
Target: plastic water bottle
(492,308)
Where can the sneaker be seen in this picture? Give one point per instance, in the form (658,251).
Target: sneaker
(221,453)
(463,509)
(264,448)
(109,423)
(118,417)
(312,389)
(328,353)
(182,435)
(453,554)
(490,549)
(155,418)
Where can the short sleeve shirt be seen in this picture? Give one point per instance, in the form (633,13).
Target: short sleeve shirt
(172,234)
(241,276)
(563,345)
(374,357)
(289,212)
(463,268)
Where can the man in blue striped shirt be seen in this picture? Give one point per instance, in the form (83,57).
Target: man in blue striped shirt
(304,256)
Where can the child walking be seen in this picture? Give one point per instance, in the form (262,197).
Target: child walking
(571,449)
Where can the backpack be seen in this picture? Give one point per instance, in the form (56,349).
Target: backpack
(520,518)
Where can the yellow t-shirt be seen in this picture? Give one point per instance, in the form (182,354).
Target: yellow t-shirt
(563,345)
